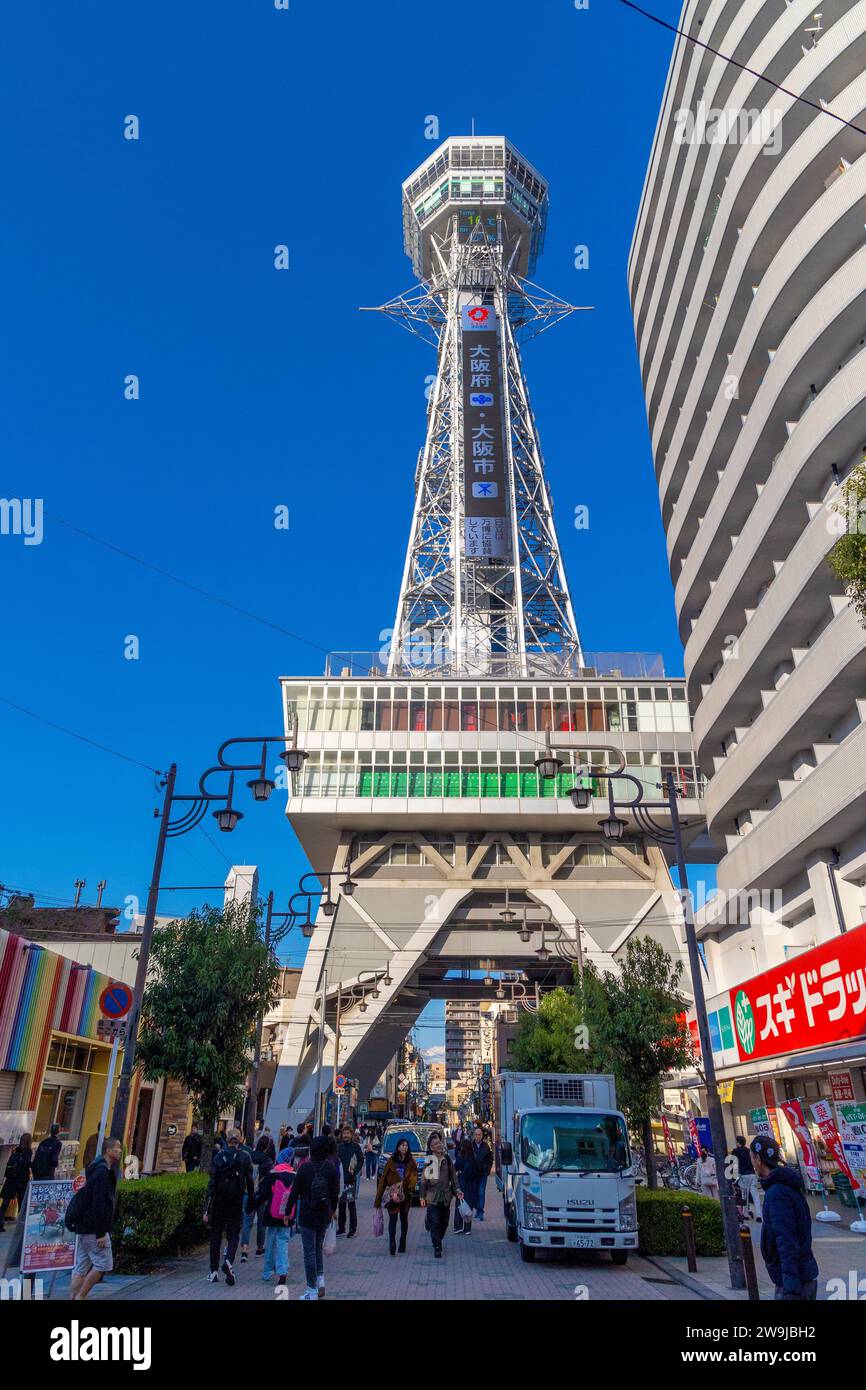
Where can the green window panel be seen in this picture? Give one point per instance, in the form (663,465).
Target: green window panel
(417,781)
(365,781)
(469,782)
(564,783)
(547,786)
(452,782)
(399,782)
(382,781)
(529,784)
(490,783)
(434,782)
(510,784)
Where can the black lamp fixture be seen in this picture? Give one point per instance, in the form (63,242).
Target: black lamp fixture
(227,817)
(548,765)
(612,827)
(580,795)
(507,914)
(542,952)
(525,932)
(293,756)
(261,785)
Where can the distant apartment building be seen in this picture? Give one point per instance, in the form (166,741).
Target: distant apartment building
(462,1037)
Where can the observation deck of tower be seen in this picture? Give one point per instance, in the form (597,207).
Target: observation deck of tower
(420,776)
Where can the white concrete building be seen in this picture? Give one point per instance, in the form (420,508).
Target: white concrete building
(747,277)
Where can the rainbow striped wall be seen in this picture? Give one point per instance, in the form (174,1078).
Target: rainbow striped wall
(41,993)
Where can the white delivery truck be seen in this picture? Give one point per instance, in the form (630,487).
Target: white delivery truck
(563,1164)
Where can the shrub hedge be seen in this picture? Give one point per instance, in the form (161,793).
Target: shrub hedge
(660,1222)
(158,1216)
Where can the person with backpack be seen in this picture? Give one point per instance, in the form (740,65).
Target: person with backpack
(16,1177)
(316,1191)
(90,1216)
(272,1200)
(786,1232)
(47,1155)
(231,1180)
(351,1159)
(262,1162)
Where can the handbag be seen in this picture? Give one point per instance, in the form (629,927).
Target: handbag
(329,1244)
(378,1222)
(464,1209)
(395,1193)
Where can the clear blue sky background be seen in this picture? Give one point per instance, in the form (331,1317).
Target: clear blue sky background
(258,387)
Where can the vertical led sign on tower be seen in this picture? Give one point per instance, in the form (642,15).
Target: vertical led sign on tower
(485,496)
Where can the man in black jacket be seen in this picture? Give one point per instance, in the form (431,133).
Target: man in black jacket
(191,1151)
(316,1190)
(482,1158)
(786,1235)
(47,1155)
(231,1180)
(93,1256)
(351,1160)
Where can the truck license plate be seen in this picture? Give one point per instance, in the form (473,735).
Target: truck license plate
(583,1243)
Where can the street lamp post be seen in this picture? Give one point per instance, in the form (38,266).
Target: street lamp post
(613,827)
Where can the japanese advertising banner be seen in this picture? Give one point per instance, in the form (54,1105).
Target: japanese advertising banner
(485,491)
(842,1085)
(822,1111)
(793,1112)
(48,1246)
(852,1132)
(815,999)
(760,1122)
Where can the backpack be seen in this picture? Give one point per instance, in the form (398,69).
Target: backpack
(280,1190)
(229,1180)
(18,1165)
(320,1189)
(42,1164)
(76,1213)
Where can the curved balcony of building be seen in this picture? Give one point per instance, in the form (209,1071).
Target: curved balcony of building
(752,226)
(820,691)
(712,205)
(804,389)
(801,474)
(737,30)
(823,810)
(774,635)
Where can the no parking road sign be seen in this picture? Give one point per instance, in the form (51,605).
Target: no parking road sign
(115,1001)
(340,1081)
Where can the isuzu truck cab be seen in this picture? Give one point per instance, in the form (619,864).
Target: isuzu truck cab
(563,1164)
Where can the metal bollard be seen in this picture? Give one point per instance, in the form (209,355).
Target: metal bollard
(689,1234)
(748,1252)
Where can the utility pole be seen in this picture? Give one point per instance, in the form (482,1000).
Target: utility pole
(257,1049)
(317,1116)
(121,1104)
(337,1098)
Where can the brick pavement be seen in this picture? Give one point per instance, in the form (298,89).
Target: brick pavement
(481,1266)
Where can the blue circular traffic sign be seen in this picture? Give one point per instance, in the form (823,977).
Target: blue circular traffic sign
(115,1001)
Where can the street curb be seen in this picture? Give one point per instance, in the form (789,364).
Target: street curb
(688,1281)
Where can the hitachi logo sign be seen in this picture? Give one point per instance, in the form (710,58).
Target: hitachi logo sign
(76,1343)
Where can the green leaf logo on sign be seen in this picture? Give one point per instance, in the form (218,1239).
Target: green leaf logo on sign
(745,1021)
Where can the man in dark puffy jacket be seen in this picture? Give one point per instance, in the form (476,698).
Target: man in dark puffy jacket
(93,1256)
(351,1158)
(231,1180)
(47,1154)
(786,1235)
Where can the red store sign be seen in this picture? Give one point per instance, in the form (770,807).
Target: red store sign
(812,1000)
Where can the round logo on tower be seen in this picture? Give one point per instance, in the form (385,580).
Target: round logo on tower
(745,1021)
(478,314)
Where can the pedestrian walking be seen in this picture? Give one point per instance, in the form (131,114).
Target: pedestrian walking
(16,1176)
(262,1163)
(370,1156)
(438,1186)
(786,1232)
(395,1187)
(464,1167)
(269,1143)
(708,1180)
(747,1182)
(272,1200)
(351,1159)
(93,1253)
(231,1181)
(482,1162)
(190,1152)
(316,1191)
(47,1155)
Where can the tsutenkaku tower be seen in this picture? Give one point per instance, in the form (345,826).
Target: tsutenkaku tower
(484,590)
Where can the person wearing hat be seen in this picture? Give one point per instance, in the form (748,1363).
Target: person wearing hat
(786,1234)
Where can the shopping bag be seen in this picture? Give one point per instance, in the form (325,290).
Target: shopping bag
(458,1218)
(378,1222)
(465,1210)
(329,1244)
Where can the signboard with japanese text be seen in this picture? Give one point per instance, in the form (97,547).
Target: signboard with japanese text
(842,1085)
(485,475)
(760,1122)
(852,1132)
(47,1245)
(816,999)
(793,1112)
(822,1112)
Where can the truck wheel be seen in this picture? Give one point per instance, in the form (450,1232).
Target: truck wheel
(527,1254)
(619,1257)
(510,1226)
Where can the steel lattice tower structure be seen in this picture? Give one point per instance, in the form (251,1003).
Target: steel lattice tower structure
(484,590)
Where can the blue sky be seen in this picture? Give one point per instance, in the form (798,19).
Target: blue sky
(261,388)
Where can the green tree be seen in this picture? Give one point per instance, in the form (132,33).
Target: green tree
(545,1040)
(638,1031)
(847,559)
(210,977)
